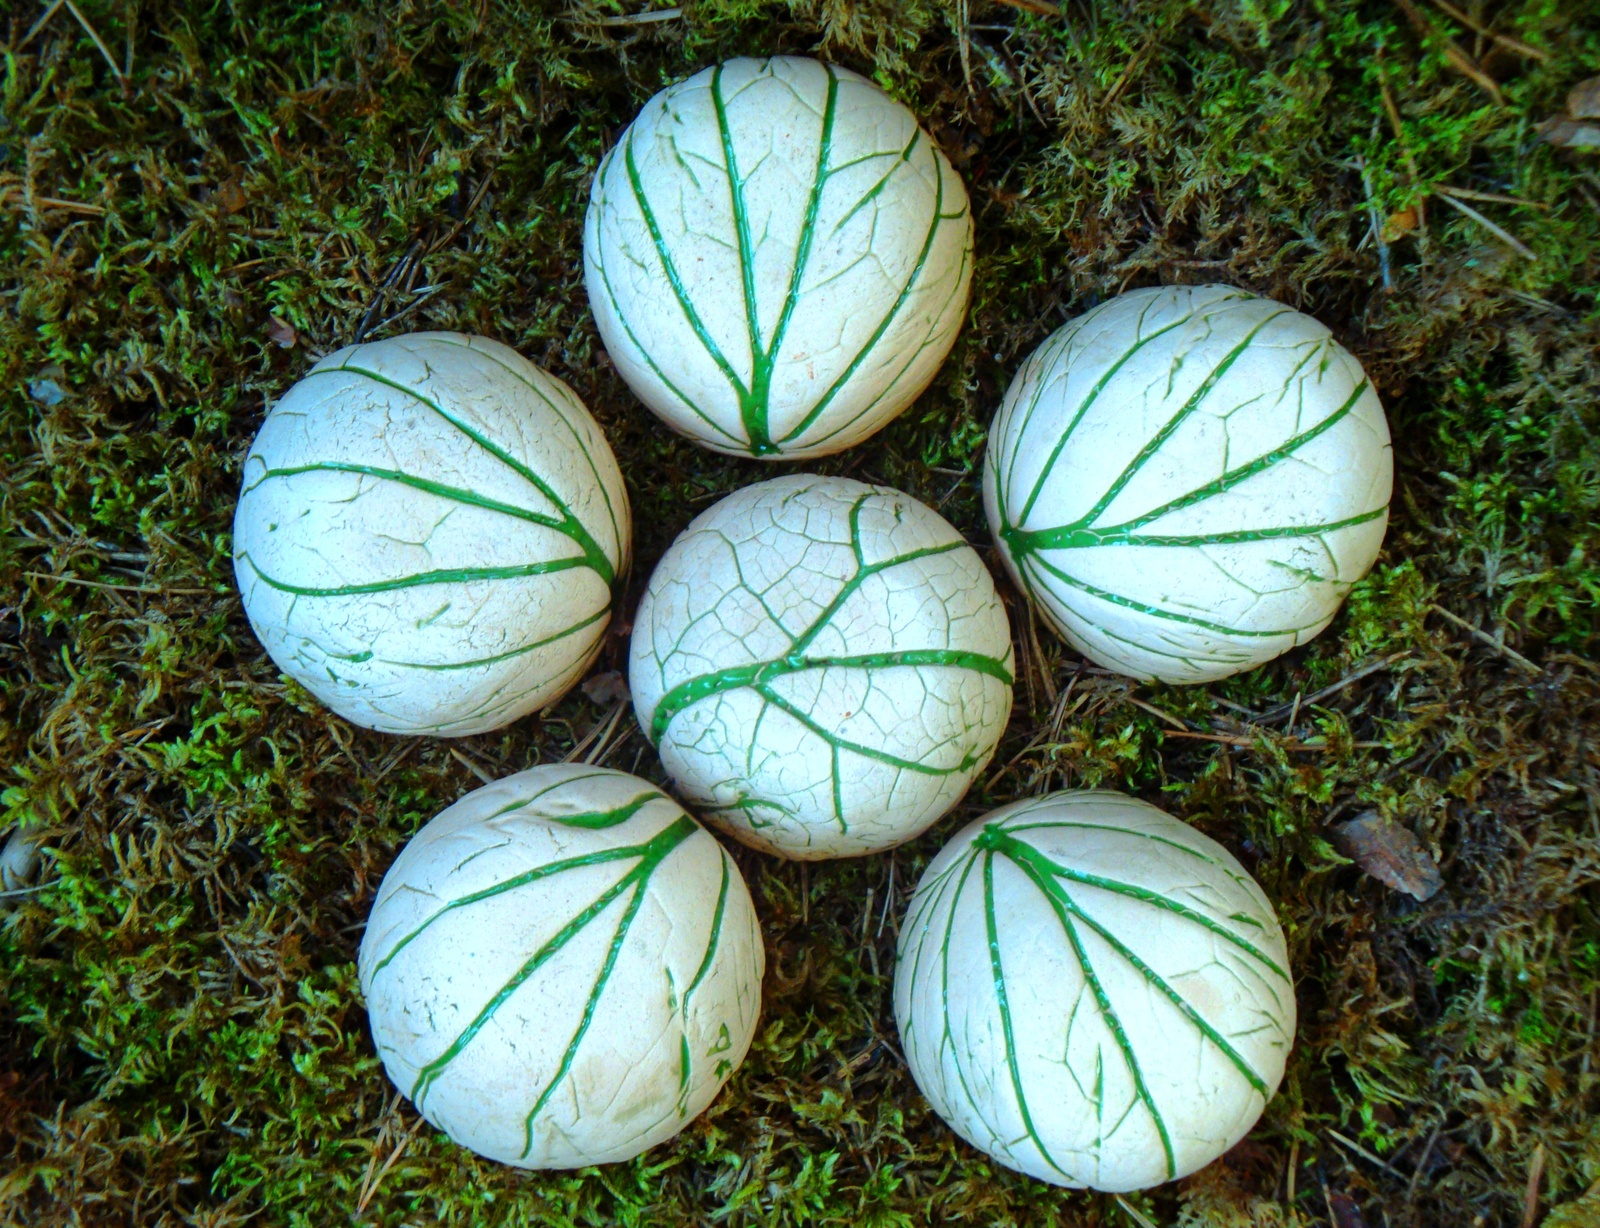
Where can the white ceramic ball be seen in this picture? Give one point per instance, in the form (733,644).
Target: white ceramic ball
(562,968)
(1092,992)
(777,257)
(1188,480)
(429,534)
(823,665)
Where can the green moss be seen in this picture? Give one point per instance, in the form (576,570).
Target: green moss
(181,1038)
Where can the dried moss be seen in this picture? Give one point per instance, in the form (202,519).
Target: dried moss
(180,1035)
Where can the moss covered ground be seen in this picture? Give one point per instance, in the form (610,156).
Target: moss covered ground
(197,198)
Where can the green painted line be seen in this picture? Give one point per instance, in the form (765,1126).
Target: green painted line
(1233,477)
(600,981)
(947,1041)
(753,409)
(561,413)
(713,942)
(1172,995)
(866,752)
(454,494)
(650,855)
(1157,441)
(758,421)
(956,287)
(1021,852)
(1157,611)
(997,971)
(1071,538)
(593,555)
(686,694)
(598,820)
(902,159)
(649,361)
(457,575)
(1085,405)
(673,279)
(599,615)
(822,404)
(1108,1012)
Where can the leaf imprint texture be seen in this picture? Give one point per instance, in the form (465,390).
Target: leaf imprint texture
(777,257)
(1187,480)
(1093,992)
(430,534)
(562,968)
(824,666)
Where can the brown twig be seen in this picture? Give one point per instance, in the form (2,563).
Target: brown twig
(1393,112)
(43,21)
(1156,712)
(1457,58)
(1422,1162)
(1361,1151)
(1041,7)
(154,589)
(1505,236)
(1230,740)
(1530,1199)
(1316,697)
(1493,197)
(95,38)
(472,767)
(640,19)
(604,743)
(1511,654)
(1477,27)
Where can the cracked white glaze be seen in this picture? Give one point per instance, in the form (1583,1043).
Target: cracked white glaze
(562,968)
(1187,481)
(824,666)
(777,257)
(1093,992)
(429,535)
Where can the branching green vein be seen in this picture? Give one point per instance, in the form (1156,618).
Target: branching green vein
(570,525)
(650,855)
(449,575)
(1108,1012)
(1003,1003)
(755,674)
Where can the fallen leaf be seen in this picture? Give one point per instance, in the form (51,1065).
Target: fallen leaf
(605,689)
(1345,1212)
(1584,100)
(1579,126)
(1390,853)
(279,332)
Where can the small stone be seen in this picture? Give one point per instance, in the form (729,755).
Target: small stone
(46,391)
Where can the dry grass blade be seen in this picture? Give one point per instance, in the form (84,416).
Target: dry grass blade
(1477,27)
(399,1149)
(1366,671)
(1505,236)
(455,753)
(44,20)
(640,19)
(1225,739)
(1357,1149)
(1457,58)
(1041,7)
(157,590)
(1133,1212)
(1510,654)
(94,37)
(1492,197)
